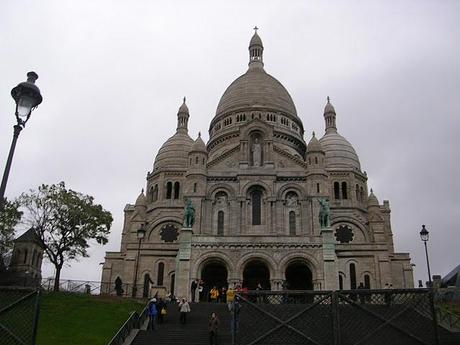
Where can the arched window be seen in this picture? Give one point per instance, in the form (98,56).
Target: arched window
(147,280)
(317,188)
(362,194)
(340,282)
(203,161)
(367,281)
(17,257)
(316,160)
(220,223)
(34,256)
(256,200)
(155,193)
(176,190)
(25,256)
(352,276)
(196,160)
(358,197)
(336,190)
(291,223)
(194,187)
(161,273)
(169,190)
(344,191)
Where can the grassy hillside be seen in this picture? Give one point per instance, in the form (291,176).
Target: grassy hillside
(79,319)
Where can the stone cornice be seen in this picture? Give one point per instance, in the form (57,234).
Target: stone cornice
(253,245)
(223,156)
(291,157)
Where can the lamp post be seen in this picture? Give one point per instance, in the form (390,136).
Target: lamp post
(27,97)
(140,236)
(424,235)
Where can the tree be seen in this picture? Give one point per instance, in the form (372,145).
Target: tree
(9,217)
(65,221)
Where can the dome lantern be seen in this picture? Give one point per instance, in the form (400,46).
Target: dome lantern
(182,118)
(329,116)
(256,50)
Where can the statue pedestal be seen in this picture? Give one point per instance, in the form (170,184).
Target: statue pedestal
(331,275)
(182,278)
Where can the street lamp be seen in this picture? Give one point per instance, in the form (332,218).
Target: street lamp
(425,235)
(140,235)
(27,97)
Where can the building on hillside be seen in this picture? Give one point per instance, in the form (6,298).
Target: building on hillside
(255,186)
(26,261)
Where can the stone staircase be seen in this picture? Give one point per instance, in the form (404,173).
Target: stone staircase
(195,332)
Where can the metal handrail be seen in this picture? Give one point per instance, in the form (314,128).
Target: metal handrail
(125,330)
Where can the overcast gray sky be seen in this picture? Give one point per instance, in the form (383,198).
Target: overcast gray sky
(113,74)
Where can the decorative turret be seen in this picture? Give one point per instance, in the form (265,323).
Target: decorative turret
(315,153)
(256,50)
(329,116)
(198,157)
(141,204)
(372,201)
(182,118)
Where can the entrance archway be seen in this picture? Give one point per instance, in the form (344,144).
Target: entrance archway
(214,273)
(256,272)
(298,276)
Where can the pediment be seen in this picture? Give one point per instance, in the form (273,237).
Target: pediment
(285,159)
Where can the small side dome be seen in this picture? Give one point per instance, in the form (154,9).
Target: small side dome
(314,145)
(174,152)
(141,199)
(198,145)
(339,152)
(372,200)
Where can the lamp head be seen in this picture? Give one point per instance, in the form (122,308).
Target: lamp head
(27,97)
(141,232)
(424,234)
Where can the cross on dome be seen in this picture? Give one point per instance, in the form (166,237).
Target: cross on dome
(256,28)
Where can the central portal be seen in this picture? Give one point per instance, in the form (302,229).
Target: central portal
(256,272)
(298,277)
(213,274)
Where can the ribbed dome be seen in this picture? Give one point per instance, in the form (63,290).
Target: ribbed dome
(256,88)
(198,145)
(329,108)
(255,40)
(314,145)
(339,152)
(174,152)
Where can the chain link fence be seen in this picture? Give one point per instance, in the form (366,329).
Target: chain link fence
(357,317)
(19,310)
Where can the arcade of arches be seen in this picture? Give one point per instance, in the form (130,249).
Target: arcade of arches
(297,275)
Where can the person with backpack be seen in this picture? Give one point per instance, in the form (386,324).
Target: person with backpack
(162,311)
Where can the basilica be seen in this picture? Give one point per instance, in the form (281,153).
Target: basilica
(256,187)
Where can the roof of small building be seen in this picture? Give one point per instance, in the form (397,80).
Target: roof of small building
(29,236)
(372,199)
(198,145)
(314,145)
(174,152)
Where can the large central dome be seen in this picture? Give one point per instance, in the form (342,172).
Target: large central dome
(256,88)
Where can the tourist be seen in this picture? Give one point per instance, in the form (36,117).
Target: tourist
(162,311)
(201,291)
(235,308)
(259,294)
(184,309)
(193,290)
(214,294)
(213,325)
(223,294)
(360,293)
(230,297)
(153,312)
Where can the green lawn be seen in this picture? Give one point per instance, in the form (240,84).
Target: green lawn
(79,319)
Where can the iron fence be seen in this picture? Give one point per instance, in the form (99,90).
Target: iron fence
(356,317)
(19,311)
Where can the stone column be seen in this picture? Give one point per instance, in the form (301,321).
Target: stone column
(182,278)
(329,259)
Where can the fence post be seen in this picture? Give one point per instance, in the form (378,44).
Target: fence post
(37,314)
(335,317)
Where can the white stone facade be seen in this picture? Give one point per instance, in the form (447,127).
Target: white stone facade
(255,187)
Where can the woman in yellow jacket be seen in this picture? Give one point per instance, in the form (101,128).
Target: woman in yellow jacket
(214,294)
